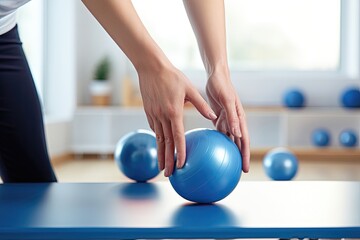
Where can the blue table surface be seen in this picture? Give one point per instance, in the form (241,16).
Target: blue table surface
(310,209)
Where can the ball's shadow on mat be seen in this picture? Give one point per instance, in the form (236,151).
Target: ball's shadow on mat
(139,191)
(204,215)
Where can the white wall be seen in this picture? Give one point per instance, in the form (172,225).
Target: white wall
(60,59)
(60,74)
(74,44)
(93,43)
(58,137)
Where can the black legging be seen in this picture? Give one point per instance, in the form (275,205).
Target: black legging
(23,150)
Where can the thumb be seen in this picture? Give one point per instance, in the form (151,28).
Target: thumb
(200,104)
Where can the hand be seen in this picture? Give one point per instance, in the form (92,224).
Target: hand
(164,93)
(231,119)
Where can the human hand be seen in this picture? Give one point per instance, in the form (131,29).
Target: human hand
(164,93)
(231,119)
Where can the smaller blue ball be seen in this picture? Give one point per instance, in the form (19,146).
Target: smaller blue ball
(351,98)
(136,155)
(280,164)
(348,138)
(294,99)
(320,137)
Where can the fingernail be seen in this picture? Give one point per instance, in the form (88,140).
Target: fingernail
(212,115)
(178,164)
(166,174)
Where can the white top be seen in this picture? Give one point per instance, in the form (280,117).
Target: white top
(8,14)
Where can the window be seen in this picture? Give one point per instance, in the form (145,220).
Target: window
(262,35)
(276,44)
(301,35)
(30,23)
(167,23)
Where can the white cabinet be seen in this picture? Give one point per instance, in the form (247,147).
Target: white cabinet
(97,129)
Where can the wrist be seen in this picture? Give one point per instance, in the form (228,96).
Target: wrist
(221,68)
(151,62)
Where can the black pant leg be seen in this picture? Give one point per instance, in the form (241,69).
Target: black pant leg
(23,150)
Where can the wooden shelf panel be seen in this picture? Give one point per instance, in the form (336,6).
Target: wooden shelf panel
(326,154)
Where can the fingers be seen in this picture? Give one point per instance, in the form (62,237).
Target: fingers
(160,141)
(232,118)
(221,124)
(200,104)
(225,124)
(170,135)
(244,140)
(169,148)
(179,140)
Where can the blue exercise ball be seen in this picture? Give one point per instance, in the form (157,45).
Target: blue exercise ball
(348,138)
(212,168)
(136,155)
(294,98)
(280,164)
(351,98)
(320,137)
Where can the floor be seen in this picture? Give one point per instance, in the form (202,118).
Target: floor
(105,170)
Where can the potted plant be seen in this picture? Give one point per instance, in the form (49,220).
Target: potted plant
(100,88)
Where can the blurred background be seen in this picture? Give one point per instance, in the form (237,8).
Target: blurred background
(90,94)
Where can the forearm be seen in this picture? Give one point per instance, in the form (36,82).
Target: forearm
(120,20)
(208,22)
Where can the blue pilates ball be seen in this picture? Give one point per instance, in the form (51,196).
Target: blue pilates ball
(294,98)
(136,155)
(320,137)
(280,164)
(212,168)
(348,138)
(351,98)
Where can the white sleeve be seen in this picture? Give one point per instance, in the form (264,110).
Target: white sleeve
(9,6)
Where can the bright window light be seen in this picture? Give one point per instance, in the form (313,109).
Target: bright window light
(301,35)
(262,35)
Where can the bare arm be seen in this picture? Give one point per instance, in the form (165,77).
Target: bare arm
(207,18)
(164,89)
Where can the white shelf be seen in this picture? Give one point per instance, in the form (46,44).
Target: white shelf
(97,129)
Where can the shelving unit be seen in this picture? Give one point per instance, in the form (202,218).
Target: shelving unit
(97,129)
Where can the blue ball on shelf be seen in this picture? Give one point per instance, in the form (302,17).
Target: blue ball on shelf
(321,137)
(348,138)
(351,98)
(136,155)
(294,98)
(212,168)
(280,164)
